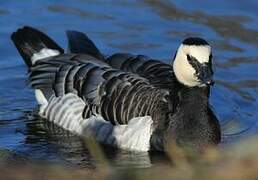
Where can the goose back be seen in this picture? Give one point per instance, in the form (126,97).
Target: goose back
(157,72)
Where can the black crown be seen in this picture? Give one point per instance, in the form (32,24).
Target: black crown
(195,41)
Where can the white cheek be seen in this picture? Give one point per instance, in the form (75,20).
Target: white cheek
(201,53)
(184,71)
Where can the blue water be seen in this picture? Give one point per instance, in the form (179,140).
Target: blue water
(153,28)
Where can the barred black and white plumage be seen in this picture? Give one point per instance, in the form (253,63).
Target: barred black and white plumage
(112,93)
(128,101)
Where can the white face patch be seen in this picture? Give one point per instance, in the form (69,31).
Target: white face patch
(44,53)
(184,72)
(201,53)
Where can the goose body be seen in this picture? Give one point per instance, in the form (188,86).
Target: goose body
(127,101)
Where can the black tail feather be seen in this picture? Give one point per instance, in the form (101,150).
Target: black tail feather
(80,43)
(29,41)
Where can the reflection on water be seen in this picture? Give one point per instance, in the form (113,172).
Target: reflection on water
(3,11)
(238,86)
(150,27)
(238,61)
(77,12)
(227,26)
(72,149)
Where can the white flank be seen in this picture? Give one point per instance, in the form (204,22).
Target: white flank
(44,53)
(41,99)
(133,136)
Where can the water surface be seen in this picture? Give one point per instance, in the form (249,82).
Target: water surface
(153,28)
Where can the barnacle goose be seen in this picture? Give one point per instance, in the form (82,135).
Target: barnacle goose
(127,101)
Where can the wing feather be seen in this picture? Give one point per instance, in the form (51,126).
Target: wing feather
(116,95)
(158,73)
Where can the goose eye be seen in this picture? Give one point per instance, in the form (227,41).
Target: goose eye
(193,62)
(188,58)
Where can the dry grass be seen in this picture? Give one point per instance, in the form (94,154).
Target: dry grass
(237,162)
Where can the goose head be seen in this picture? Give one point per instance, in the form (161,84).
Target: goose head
(193,63)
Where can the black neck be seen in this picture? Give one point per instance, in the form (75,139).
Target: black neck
(185,106)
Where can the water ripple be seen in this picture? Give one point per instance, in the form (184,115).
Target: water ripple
(230,26)
(78,12)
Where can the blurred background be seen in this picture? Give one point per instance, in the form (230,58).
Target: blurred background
(151,27)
